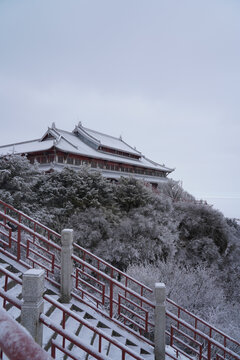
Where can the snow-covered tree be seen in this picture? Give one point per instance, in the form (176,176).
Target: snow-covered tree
(17,178)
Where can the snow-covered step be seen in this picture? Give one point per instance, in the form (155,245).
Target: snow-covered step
(87,336)
(91,319)
(14,289)
(74,327)
(4,265)
(103,327)
(14,312)
(55,315)
(116,353)
(104,345)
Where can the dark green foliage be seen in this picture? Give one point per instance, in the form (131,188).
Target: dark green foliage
(130,194)
(203,232)
(73,189)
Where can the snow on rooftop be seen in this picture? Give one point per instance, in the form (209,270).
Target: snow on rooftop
(111,141)
(69,142)
(26,147)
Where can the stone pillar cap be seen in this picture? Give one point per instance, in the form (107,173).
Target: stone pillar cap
(34,272)
(159,285)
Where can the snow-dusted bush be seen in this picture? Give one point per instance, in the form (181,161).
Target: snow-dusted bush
(131,193)
(203,231)
(17,177)
(174,190)
(196,289)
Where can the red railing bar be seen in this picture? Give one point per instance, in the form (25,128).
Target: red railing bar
(91,327)
(113,281)
(133,313)
(55,345)
(28,218)
(112,267)
(11,299)
(203,335)
(39,247)
(91,296)
(185,344)
(133,303)
(49,261)
(30,231)
(78,270)
(201,321)
(140,328)
(71,337)
(119,323)
(90,286)
(186,335)
(183,353)
(10,275)
(171,356)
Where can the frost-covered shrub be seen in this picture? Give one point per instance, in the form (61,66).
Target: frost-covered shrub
(17,178)
(200,228)
(174,191)
(131,193)
(195,289)
(73,189)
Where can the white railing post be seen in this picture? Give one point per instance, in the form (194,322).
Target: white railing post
(160,321)
(32,292)
(66,265)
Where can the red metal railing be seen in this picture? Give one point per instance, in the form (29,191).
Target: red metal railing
(107,289)
(112,296)
(69,354)
(30,243)
(211,337)
(207,347)
(69,314)
(61,329)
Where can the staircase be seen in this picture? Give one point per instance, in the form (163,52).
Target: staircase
(73,329)
(110,315)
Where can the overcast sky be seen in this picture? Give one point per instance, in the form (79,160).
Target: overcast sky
(164,74)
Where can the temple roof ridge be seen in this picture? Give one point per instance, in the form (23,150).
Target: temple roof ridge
(101,133)
(157,164)
(83,129)
(117,141)
(19,143)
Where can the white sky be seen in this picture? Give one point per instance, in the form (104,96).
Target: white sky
(165,74)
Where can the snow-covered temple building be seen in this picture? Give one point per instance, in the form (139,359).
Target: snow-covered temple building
(112,156)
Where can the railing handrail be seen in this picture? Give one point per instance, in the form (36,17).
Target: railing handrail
(92,327)
(29,218)
(47,321)
(203,335)
(112,267)
(195,317)
(113,281)
(110,277)
(30,231)
(55,344)
(11,275)
(11,299)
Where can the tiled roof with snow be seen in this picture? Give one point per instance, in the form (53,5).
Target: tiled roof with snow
(26,147)
(111,142)
(69,142)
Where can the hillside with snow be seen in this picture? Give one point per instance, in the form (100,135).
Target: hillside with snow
(164,236)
